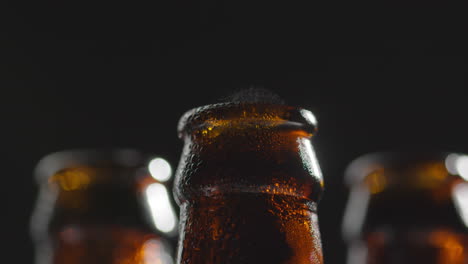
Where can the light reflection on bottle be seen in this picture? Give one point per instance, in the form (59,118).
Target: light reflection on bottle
(357,253)
(309,158)
(308,116)
(355,212)
(155,253)
(460,196)
(160,169)
(450,246)
(457,164)
(162,213)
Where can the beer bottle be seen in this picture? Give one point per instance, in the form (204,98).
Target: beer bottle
(96,207)
(248,184)
(407,208)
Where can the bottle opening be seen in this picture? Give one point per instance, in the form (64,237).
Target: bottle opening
(246,115)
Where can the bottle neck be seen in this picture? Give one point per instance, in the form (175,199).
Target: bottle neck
(249,228)
(247,184)
(431,247)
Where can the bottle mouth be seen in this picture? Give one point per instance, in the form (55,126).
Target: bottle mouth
(246,115)
(88,158)
(400,167)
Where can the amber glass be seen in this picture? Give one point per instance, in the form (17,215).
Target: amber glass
(407,208)
(248,184)
(91,209)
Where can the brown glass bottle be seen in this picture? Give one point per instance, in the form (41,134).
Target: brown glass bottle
(407,208)
(248,184)
(93,208)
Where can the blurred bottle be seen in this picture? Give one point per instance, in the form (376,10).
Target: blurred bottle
(102,207)
(407,208)
(248,184)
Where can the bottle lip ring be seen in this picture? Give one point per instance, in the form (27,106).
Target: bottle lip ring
(195,118)
(363,165)
(119,157)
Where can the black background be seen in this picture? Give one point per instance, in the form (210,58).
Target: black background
(76,74)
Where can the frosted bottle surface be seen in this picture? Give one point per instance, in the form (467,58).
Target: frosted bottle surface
(248,184)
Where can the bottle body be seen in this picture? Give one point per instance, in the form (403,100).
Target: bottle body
(248,188)
(403,209)
(91,209)
(78,244)
(250,228)
(423,246)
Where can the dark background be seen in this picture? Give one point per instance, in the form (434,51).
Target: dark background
(76,74)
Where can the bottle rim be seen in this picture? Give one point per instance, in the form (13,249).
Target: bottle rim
(56,161)
(359,168)
(199,118)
